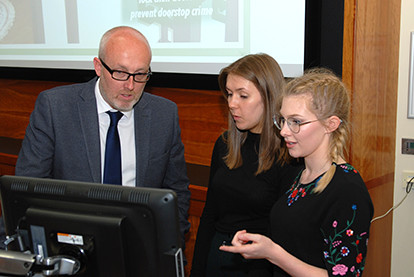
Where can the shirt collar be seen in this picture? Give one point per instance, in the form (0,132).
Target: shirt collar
(102,105)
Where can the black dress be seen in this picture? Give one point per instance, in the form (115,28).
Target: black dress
(328,230)
(237,199)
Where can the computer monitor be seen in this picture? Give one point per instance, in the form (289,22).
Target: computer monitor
(112,230)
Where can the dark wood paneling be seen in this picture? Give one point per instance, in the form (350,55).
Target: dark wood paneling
(198,199)
(7,164)
(17,102)
(203,117)
(203,114)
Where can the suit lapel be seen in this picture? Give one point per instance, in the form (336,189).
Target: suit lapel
(142,122)
(88,114)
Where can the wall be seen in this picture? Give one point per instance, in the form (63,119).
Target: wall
(403,222)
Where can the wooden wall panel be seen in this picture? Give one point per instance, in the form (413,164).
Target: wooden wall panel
(370,70)
(203,114)
(375,86)
(203,117)
(7,164)
(348,41)
(17,102)
(198,198)
(378,262)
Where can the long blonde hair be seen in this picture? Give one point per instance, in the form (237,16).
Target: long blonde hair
(265,73)
(329,97)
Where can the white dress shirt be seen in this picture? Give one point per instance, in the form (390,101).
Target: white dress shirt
(126,132)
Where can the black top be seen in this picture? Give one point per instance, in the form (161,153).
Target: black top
(237,199)
(329,230)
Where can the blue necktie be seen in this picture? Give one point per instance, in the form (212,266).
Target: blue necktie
(112,169)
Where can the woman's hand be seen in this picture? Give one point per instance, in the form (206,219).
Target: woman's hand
(250,246)
(254,246)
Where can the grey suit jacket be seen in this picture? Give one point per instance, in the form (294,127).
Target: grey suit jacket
(62,142)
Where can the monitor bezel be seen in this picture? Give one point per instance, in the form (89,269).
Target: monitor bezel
(143,220)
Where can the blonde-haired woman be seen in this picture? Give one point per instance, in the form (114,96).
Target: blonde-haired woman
(321,226)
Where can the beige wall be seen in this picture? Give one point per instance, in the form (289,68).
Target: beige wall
(402,259)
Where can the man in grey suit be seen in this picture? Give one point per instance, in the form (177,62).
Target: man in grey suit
(66,135)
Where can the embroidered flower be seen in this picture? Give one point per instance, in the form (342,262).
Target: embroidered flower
(299,190)
(344,167)
(340,269)
(344,251)
(349,243)
(336,243)
(302,192)
(348,168)
(359,258)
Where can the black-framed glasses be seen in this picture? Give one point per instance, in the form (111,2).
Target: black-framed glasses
(293,124)
(124,76)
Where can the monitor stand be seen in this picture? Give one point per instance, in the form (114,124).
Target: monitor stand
(26,264)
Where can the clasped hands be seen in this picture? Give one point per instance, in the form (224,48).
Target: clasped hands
(250,246)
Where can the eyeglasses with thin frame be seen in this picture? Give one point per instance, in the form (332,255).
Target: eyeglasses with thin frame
(124,76)
(293,124)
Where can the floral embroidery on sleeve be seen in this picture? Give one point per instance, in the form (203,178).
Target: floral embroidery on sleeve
(337,251)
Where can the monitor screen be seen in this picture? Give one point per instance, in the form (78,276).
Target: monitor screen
(111,230)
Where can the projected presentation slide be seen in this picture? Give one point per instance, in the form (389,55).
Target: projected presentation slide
(186,36)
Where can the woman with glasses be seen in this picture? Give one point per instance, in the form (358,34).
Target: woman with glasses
(320,227)
(246,170)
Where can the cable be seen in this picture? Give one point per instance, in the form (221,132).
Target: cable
(407,191)
(16,237)
(409,185)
